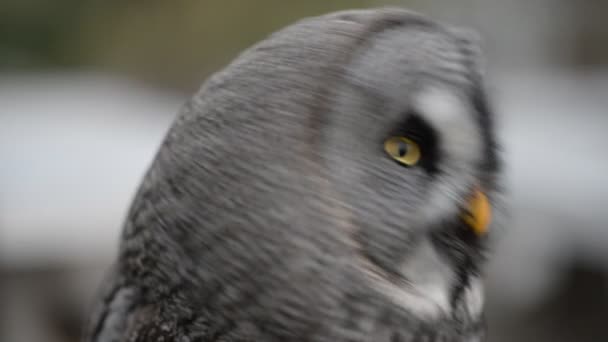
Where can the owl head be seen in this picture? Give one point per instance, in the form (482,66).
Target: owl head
(336,182)
(411,149)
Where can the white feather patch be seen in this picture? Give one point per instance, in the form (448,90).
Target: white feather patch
(425,290)
(460,147)
(474,297)
(454,119)
(429,275)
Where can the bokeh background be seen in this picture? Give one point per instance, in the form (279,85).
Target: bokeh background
(88,89)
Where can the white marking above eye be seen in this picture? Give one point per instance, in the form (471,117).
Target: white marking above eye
(452,117)
(460,147)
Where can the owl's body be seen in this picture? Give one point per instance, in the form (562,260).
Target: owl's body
(272,212)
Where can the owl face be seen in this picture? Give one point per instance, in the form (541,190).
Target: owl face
(414,156)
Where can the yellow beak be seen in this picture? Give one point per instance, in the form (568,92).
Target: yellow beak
(478,214)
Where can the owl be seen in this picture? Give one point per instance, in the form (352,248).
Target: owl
(336,182)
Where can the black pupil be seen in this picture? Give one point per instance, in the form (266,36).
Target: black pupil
(402,149)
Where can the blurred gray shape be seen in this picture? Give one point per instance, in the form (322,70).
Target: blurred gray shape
(554,132)
(73,148)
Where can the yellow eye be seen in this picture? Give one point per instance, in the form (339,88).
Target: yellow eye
(403,150)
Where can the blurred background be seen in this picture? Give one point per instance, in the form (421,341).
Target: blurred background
(88,89)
